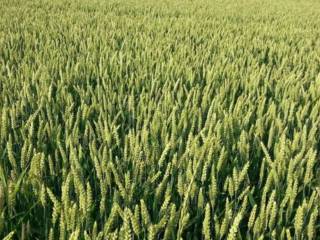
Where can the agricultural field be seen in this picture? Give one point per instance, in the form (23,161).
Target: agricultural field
(147,120)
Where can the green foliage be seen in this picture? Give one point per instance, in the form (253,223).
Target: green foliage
(159,119)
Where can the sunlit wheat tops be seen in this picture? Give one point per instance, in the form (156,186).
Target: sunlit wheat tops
(159,119)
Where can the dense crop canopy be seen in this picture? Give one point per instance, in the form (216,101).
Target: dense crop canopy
(159,119)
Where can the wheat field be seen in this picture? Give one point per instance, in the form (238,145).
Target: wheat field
(182,119)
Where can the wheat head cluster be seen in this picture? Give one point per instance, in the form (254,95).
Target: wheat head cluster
(147,120)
